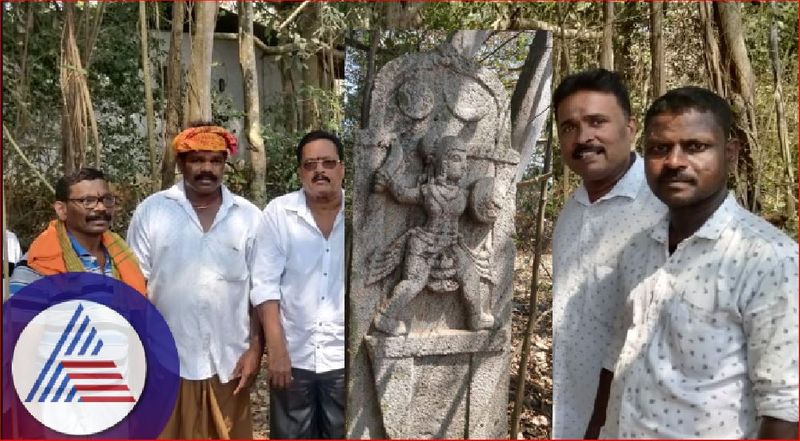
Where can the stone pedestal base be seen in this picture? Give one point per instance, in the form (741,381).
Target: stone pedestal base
(452,384)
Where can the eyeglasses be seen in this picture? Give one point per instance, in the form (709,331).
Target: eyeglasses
(328,164)
(89,202)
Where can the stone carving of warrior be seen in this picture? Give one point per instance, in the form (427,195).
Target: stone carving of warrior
(435,254)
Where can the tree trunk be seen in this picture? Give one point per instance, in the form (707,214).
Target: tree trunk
(657,49)
(711,52)
(174,104)
(199,86)
(252,117)
(148,97)
(374,35)
(92,31)
(308,23)
(626,62)
(534,288)
(742,97)
(400,15)
(783,130)
(290,95)
(77,116)
(563,69)
(531,99)
(607,46)
(21,119)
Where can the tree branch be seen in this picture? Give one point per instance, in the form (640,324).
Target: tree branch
(292,16)
(534,24)
(25,159)
(280,49)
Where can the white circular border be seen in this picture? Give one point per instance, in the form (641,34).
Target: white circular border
(121,344)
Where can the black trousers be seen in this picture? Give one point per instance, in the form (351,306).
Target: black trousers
(312,407)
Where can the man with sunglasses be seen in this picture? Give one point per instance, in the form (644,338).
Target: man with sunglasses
(79,240)
(195,242)
(299,289)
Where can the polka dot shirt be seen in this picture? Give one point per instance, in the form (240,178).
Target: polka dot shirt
(587,240)
(707,341)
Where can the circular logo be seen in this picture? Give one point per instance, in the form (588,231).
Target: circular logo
(88,356)
(89,369)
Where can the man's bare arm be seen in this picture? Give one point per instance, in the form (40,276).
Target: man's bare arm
(247,366)
(279,365)
(773,428)
(598,419)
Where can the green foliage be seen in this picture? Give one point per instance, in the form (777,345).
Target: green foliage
(32,99)
(282,161)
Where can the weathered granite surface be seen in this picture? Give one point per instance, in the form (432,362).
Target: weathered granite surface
(433,257)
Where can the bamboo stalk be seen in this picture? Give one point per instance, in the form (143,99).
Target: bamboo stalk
(537,259)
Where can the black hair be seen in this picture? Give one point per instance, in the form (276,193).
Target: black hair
(679,100)
(65,182)
(595,80)
(319,134)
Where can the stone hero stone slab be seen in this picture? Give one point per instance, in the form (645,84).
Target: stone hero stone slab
(433,256)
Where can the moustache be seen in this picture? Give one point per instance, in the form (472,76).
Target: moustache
(580,149)
(319,176)
(675,175)
(205,175)
(100,216)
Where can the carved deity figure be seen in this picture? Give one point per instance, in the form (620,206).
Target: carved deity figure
(435,254)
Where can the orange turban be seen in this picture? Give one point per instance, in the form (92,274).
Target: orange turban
(204,139)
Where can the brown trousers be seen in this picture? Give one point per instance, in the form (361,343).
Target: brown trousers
(207,409)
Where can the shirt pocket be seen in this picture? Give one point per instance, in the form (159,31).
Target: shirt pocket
(703,335)
(229,257)
(603,300)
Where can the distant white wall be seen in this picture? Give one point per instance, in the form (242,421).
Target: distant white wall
(226,77)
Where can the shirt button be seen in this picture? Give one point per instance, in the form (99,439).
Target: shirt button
(327,250)
(325,274)
(323,297)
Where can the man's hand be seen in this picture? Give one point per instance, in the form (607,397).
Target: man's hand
(247,368)
(279,368)
(279,365)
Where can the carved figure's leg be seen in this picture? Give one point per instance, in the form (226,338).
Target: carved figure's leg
(469,280)
(416,274)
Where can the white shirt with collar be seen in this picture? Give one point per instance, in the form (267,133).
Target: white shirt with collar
(296,265)
(199,281)
(709,335)
(587,240)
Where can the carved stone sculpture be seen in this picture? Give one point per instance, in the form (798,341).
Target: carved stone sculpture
(429,304)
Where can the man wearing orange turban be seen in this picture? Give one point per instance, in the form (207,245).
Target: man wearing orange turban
(195,242)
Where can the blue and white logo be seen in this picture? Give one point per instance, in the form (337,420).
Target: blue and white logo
(89,357)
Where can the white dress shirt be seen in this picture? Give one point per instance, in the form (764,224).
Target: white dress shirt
(587,241)
(199,281)
(298,266)
(709,335)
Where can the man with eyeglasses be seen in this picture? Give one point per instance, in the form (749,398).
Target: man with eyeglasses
(299,289)
(79,240)
(195,242)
